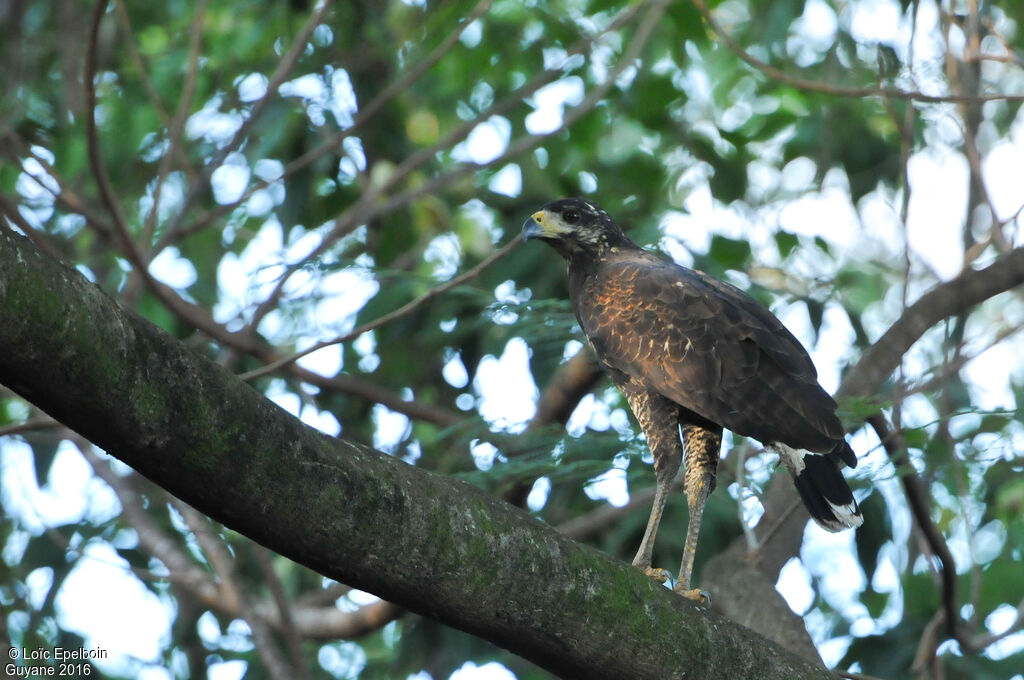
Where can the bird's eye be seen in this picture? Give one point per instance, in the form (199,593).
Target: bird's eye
(571,216)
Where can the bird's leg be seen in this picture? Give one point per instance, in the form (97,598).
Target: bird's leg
(659,419)
(695,499)
(666,465)
(701,446)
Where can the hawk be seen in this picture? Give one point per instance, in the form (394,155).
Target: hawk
(695,355)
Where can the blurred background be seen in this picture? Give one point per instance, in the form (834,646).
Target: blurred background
(325,197)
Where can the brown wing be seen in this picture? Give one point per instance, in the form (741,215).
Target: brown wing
(709,347)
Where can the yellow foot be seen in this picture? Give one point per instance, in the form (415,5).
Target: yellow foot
(659,575)
(701,597)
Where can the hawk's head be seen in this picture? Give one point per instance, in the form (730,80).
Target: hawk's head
(575,227)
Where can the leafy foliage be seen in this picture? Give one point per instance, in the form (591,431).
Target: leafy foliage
(284,173)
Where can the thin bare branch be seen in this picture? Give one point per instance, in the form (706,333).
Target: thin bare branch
(1012,56)
(176,127)
(65,195)
(125,21)
(312,618)
(182,570)
(741,478)
(920,509)
(830,88)
(985,640)
(324,596)
(404,310)
(331,623)
(332,143)
(232,591)
(964,76)
(201,318)
(284,68)
(99,167)
(289,632)
(953,367)
(9,210)
(601,517)
(523,144)
(124,18)
(371,204)
(925,663)
(31,425)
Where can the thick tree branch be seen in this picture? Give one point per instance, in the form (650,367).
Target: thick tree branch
(435,545)
(956,296)
(201,319)
(312,616)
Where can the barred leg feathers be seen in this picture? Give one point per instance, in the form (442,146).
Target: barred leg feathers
(824,491)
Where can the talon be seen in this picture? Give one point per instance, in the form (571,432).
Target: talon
(658,574)
(701,597)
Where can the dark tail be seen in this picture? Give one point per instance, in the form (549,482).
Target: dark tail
(824,491)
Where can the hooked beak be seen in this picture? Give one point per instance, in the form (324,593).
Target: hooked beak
(542,224)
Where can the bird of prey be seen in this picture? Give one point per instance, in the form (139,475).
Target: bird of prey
(695,354)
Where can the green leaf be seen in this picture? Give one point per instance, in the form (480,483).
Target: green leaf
(786,242)
(873,534)
(729,253)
